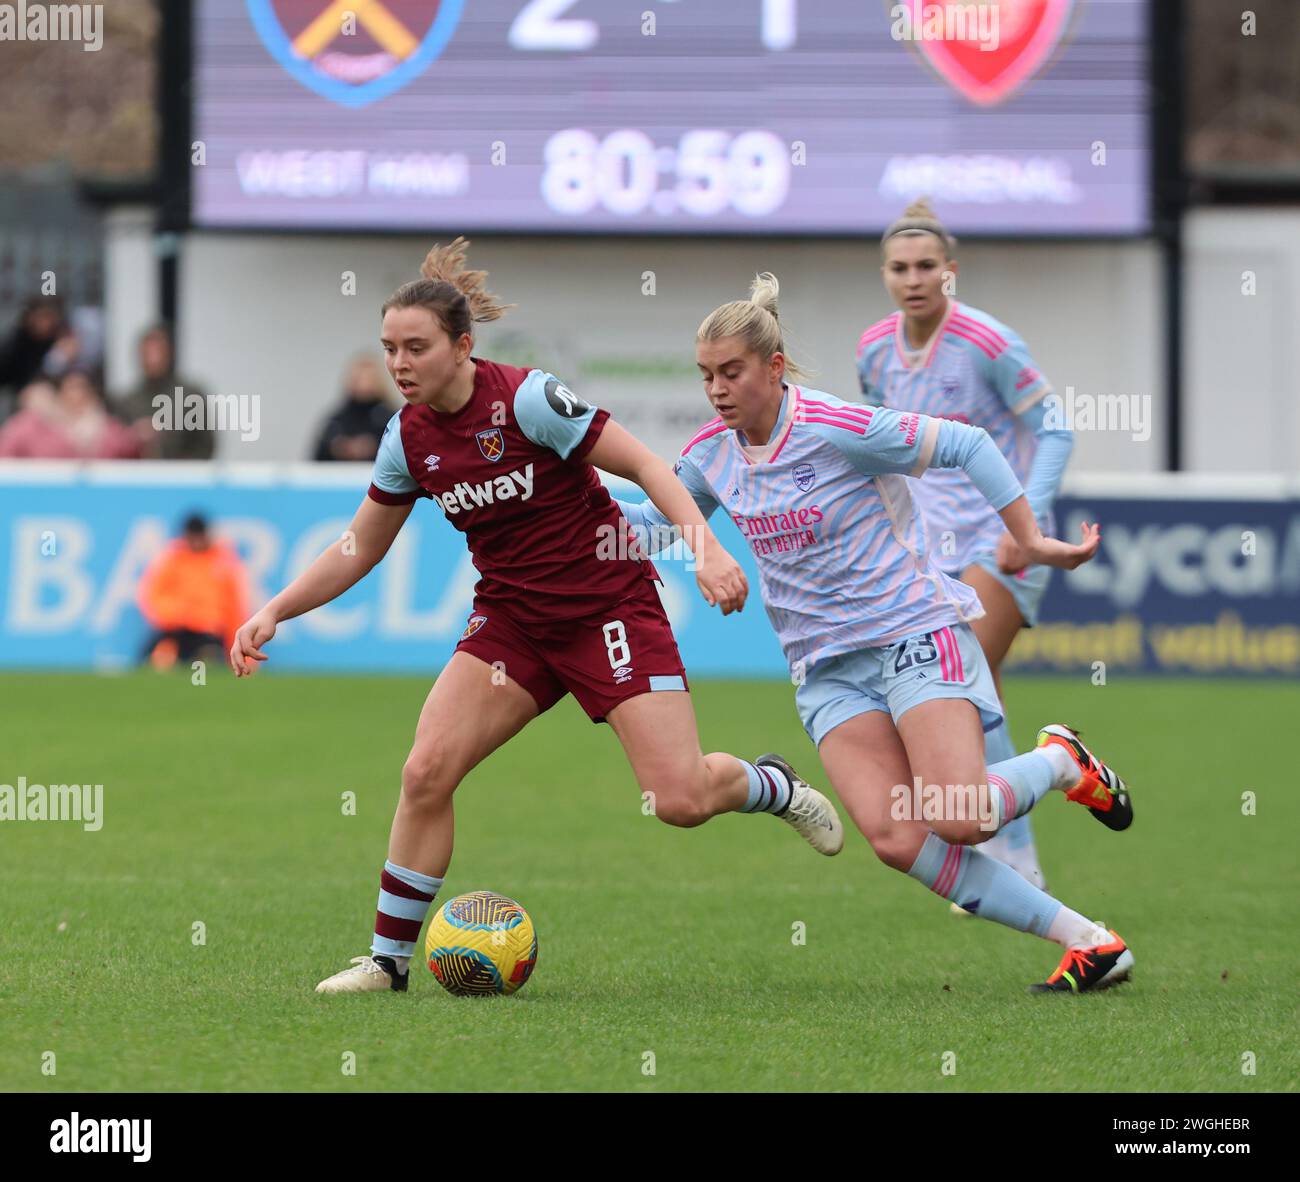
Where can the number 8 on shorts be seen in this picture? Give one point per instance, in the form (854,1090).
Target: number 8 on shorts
(616,644)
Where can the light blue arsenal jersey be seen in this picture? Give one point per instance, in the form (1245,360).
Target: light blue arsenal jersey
(827,509)
(973,370)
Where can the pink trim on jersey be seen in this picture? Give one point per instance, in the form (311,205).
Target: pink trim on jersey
(708,431)
(984,348)
(876,332)
(846,424)
(862,413)
(932,346)
(995,338)
(791,419)
(987,335)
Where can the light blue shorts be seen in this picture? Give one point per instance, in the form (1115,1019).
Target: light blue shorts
(946,663)
(1027,588)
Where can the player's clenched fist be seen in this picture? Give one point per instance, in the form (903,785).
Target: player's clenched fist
(250,638)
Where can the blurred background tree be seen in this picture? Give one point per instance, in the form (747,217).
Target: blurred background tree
(93,113)
(1243,92)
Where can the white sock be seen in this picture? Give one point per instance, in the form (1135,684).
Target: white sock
(1065,772)
(403,964)
(1071,930)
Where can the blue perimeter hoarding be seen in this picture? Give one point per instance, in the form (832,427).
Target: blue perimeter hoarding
(1195,575)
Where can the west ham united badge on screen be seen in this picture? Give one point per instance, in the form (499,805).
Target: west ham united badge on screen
(354,54)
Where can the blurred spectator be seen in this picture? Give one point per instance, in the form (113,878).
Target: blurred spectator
(194,595)
(79,345)
(22,353)
(67,423)
(353,431)
(159,377)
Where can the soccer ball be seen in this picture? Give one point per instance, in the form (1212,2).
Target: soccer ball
(481,944)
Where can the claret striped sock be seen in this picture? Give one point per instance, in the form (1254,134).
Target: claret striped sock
(404,898)
(769,790)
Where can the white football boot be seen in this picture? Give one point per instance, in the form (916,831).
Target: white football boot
(368,974)
(809,813)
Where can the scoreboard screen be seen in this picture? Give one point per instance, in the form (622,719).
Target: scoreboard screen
(671,116)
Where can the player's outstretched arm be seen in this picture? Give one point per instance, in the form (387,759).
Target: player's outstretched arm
(345,563)
(721,580)
(959,445)
(1021,525)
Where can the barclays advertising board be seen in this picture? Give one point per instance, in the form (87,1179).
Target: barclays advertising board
(1187,581)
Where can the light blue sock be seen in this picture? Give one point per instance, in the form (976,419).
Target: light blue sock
(998,748)
(983,886)
(769,791)
(1019,783)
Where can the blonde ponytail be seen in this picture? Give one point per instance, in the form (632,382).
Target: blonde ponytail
(755,320)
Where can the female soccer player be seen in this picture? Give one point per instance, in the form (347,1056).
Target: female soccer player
(893,686)
(566,603)
(952,361)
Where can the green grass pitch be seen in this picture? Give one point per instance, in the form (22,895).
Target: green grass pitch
(222,806)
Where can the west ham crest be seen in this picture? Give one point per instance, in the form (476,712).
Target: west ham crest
(355,51)
(994,51)
(491,443)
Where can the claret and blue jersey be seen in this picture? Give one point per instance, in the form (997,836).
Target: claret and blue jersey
(828,511)
(975,370)
(509,470)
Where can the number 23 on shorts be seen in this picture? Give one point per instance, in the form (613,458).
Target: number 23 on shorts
(915,650)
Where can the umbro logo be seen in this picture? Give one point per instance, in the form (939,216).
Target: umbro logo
(431,462)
